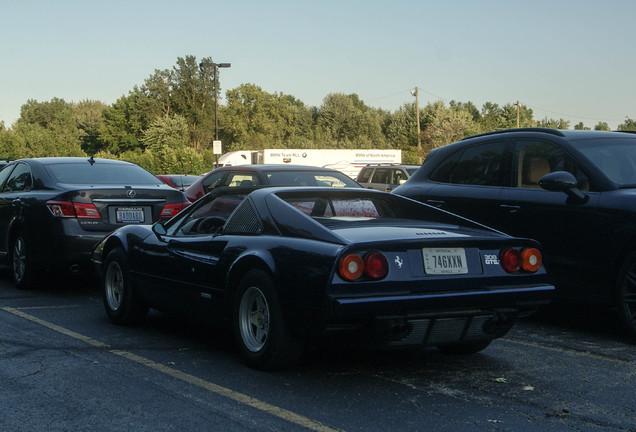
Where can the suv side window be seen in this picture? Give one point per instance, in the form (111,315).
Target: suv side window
(538,158)
(382,175)
(398,176)
(364,175)
(483,164)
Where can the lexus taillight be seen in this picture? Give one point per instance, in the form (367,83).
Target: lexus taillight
(172,209)
(514,260)
(73,210)
(374,265)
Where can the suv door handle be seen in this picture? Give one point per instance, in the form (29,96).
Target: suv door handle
(435,203)
(510,208)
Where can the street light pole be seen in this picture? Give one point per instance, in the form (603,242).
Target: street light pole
(216,67)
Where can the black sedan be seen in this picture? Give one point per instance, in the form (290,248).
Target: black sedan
(266,174)
(573,191)
(53,211)
(287,266)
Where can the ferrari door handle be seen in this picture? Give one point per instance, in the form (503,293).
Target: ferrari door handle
(435,203)
(510,208)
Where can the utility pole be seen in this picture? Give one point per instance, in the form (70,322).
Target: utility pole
(417,116)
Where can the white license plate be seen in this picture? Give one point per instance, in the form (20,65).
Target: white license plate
(130,215)
(445,261)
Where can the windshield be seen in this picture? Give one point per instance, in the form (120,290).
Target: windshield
(101,174)
(616,158)
(308,178)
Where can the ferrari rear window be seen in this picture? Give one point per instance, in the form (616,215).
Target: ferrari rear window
(336,208)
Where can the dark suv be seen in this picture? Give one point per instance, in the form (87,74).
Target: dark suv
(385,177)
(573,191)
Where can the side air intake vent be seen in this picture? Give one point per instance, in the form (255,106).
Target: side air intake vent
(244,220)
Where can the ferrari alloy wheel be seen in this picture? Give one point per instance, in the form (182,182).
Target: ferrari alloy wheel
(254,319)
(262,335)
(22,274)
(120,301)
(626,292)
(114,285)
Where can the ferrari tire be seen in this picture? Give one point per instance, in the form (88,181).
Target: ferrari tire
(122,304)
(22,272)
(626,294)
(261,333)
(465,348)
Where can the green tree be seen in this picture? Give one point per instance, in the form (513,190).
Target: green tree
(348,123)
(45,129)
(89,118)
(554,124)
(628,125)
(193,89)
(400,128)
(126,120)
(444,125)
(580,126)
(255,119)
(492,117)
(509,116)
(602,126)
(469,107)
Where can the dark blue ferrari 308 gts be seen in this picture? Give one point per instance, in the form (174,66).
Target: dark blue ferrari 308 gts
(286,266)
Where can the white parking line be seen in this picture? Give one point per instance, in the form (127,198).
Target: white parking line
(244,399)
(568,351)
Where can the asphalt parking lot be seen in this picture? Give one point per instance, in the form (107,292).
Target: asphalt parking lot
(66,368)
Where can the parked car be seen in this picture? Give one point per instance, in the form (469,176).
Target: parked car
(573,191)
(283,266)
(385,177)
(178,181)
(276,175)
(53,211)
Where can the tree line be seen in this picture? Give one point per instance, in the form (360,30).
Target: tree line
(167,124)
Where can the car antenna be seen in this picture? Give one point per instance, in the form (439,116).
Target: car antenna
(91,160)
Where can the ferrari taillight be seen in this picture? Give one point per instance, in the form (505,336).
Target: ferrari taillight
(514,260)
(374,265)
(531,260)
(172,209)
(68,209)
(510,260)
(351,267)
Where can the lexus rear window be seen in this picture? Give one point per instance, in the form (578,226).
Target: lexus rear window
(101,174)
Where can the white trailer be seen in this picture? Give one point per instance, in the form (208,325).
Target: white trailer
(349,162)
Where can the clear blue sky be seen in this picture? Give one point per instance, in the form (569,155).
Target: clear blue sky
(571,59)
